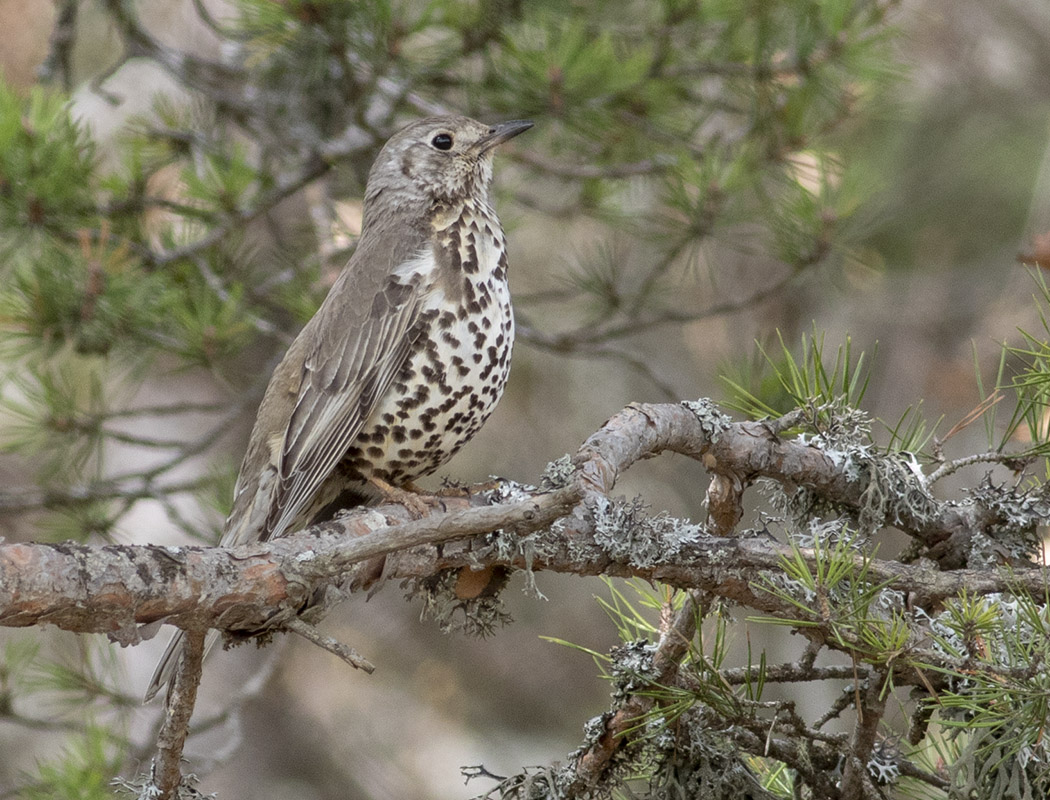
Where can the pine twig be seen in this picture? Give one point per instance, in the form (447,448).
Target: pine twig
(333,646)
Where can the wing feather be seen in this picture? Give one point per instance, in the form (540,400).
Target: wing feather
(341,385)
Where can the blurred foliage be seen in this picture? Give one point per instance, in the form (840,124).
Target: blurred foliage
(708,142)
(137,264)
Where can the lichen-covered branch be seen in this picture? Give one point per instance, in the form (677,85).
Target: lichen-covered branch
(576,528)
(573,524)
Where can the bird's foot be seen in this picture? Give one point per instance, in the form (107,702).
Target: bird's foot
(418,503)
(455,489)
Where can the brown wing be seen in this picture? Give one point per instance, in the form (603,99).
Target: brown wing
(354,345)
(343,378)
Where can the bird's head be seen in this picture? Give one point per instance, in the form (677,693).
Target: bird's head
(438,161)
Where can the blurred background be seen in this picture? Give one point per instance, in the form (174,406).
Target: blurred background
(686,192)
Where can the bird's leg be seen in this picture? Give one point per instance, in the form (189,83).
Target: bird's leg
(418,502)
(454,489)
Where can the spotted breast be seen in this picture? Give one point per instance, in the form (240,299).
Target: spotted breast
(460,357)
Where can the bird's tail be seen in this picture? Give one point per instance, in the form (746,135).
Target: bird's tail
(165,670)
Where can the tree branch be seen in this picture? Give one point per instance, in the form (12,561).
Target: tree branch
(114,588)
(167,769)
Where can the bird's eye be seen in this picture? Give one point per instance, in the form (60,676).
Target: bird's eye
(443,141)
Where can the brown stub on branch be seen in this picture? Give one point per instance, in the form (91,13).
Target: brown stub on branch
(474,583)
(724,503)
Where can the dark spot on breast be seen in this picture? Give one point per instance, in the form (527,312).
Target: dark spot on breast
(471,265)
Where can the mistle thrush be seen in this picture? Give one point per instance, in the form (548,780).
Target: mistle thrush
(407,356)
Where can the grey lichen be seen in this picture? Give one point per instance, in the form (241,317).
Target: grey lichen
(145,789)
(884,763)
(896,493)
(822,533)
(479,616)
(1018,513)
(557,474)
(507,491)
(509,546)
(632,667)
(713,421)
(895,490)
(625,531)
(532,783)
(701,763)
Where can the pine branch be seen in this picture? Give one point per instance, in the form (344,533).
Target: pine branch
(113,588)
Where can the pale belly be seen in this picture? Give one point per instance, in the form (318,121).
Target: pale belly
(442,396)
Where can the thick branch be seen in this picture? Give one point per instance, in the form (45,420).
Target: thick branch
(114,588)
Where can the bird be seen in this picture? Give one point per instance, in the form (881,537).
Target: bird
(404,360)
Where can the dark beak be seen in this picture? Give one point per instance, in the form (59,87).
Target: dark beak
(500,133)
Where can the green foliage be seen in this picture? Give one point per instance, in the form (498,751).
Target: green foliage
(54,410)
(808,380)
(210,327)
(81,709)
(1031,383)
(1004,644)
(46,165)
(93,298)
(772,385)
(837,595)
(84,771)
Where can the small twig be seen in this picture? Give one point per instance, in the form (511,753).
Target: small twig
(60,47)
(28,499)
(788,673)
(577,339)
(166,774)
(856,782)
(333,646)
(218,286)
(217,27)
(991,457)
(638,363)
(169,409)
